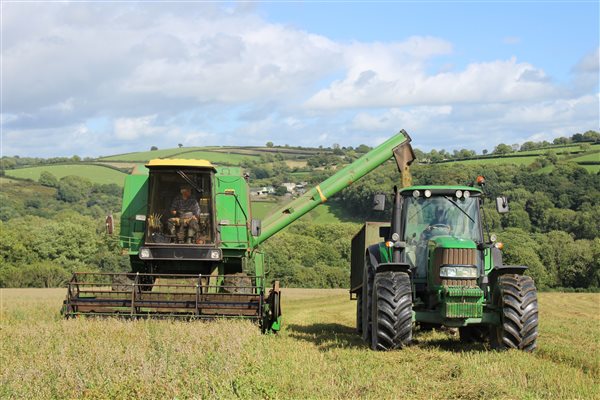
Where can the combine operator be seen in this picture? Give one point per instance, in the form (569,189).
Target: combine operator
(185,211)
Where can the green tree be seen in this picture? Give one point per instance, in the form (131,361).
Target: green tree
(503,149)
(48,179)
(73,188)
(270,144)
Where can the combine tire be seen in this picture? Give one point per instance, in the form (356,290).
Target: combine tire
(359,328)
(516,298)
(392,311)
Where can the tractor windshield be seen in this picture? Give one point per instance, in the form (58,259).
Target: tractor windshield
(180,207)
(427,218)
(442,215)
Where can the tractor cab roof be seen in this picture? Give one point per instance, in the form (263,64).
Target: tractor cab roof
(440,190)
(180,162)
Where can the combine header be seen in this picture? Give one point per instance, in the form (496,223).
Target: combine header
(194,246)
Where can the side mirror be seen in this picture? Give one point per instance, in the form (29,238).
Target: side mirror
(379,202)
(502,205)
(255,227)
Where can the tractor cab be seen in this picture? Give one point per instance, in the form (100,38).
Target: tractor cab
(180,203)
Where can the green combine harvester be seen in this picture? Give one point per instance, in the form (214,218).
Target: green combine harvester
(431,266)
(194,246)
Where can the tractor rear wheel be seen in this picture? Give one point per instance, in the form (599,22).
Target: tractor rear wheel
(516,298)
(392,311)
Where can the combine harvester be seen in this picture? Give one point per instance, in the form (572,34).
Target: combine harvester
(205,263)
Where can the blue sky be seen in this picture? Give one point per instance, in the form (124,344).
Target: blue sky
(103,78)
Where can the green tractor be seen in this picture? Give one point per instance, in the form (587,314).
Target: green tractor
(194,246)
(434,268)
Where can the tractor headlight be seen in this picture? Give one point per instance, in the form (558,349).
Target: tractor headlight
(467,194)
(459,194)
(416,193)
(427,193)
(458,272)
(215,255)
(145,253)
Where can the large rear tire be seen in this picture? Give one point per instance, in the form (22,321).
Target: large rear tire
(391,311)
(516,298)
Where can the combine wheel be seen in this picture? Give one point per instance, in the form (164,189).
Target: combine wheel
(516,298)
(272,322)
(392,311)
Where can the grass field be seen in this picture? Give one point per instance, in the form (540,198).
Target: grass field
(588,157)
(317,355)
(95,173)
(143,156)
(216,157)
(497,161)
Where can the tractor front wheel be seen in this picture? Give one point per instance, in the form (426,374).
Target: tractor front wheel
(515,296)
(391,311)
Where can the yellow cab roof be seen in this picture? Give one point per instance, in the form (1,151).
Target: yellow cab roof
(179,162)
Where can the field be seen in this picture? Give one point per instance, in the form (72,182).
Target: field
(497,161)
(95,173)
(144,156)
(216,157)
(317,355)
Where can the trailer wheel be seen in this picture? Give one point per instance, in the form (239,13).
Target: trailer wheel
(359,327)
(392,311)
(366,302)
(516,298)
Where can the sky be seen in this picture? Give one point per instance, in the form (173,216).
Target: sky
(103,78)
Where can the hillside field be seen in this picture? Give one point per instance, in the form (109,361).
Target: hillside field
(95,173)
(316,355)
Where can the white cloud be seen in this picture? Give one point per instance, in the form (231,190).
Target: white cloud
(200,74)
(135,128)
(409,84)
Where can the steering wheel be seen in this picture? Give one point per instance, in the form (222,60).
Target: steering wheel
(440,226)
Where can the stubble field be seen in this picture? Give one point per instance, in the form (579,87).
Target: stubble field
(317,355)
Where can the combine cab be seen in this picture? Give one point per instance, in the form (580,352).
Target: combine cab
(187,227)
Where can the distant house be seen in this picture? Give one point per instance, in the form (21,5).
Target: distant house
(289,186)
(262,191)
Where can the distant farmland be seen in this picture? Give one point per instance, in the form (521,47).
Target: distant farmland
(95,173)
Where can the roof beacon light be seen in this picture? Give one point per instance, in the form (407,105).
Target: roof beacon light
(481,180)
